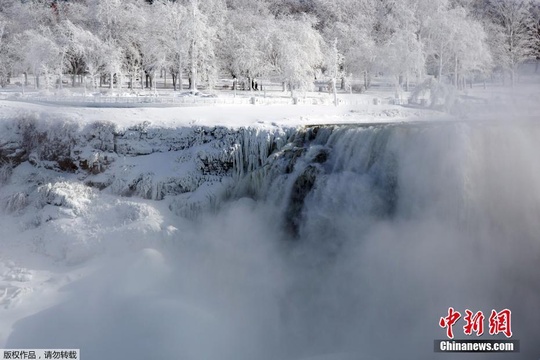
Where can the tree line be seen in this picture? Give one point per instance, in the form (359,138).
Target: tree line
(292,41)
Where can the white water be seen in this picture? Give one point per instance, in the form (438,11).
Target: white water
(401,223)
(405,221)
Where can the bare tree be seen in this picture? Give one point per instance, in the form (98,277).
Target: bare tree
(513,18)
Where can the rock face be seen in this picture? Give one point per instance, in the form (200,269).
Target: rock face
(301,188)
(142,160)
(194,168)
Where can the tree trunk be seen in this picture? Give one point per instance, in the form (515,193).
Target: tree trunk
(407,82)
(180,79)
(173,81)
(512,77)
(456,73)
(60,72)
(334,89)
(194,50)
(440,66)
(365,80)
(25,78)
(193,77)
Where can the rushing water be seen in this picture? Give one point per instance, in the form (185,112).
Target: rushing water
(348,240)
(391,225)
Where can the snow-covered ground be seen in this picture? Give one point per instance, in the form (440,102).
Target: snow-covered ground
(233,116)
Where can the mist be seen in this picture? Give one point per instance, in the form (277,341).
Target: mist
(399,223)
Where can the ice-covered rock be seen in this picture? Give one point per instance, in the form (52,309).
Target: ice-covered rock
(61,179)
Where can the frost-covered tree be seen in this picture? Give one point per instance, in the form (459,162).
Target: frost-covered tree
(154,46)
(202,36)
(16,17)
(64,37)
(441,32)
(119,26)
(402,56)
(296,51)
(30,15)
(513,20)
(356,47)
(132,22)
(245,53)
(254,38)
(40,54)
(535,32)
(290,7)
(352,24)
(334,61)
(173,15)
(5,61)
(471,54)
(92,50)
(455,43)
(400,50)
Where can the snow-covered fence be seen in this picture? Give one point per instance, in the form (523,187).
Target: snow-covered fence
(366,100)
(123,101)
(172,100)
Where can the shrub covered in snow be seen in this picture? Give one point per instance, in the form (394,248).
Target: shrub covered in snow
(71,195)
(16,202)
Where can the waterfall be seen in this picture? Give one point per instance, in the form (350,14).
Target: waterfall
(389,225)
(350,240)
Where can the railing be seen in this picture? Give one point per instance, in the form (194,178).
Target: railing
(128,101)
(183,100)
